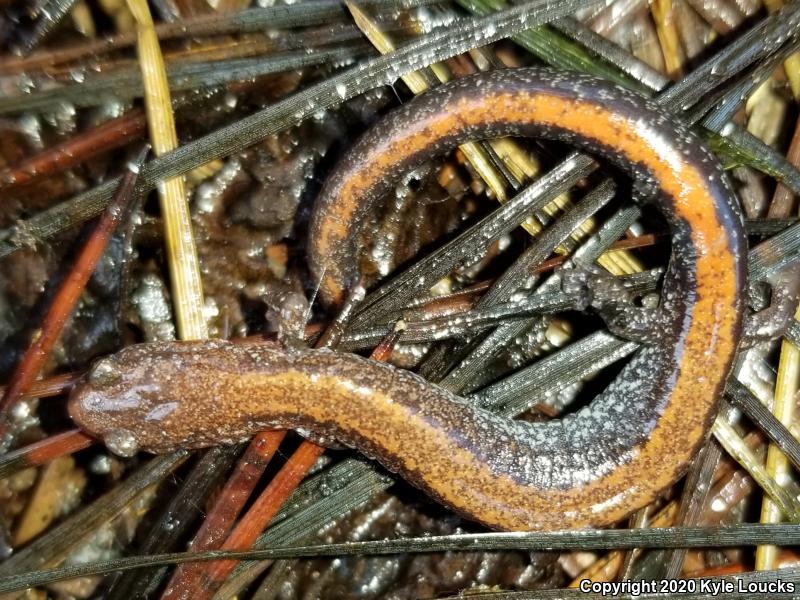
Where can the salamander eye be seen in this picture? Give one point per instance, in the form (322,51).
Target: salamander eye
(121,442)
(104,373)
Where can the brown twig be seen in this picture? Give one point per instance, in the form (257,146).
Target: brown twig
(260,514)
(43,451)
(219,519)
(52,386)
(67,296)
(76,150)
(783,199)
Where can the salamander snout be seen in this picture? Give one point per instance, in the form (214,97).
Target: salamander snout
(154,397)
(112,400)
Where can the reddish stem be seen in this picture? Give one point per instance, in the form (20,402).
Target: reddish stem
(52,386)
(81,148)
(783,198)
(260,514)
(67,296)
(43,451)
(220,518)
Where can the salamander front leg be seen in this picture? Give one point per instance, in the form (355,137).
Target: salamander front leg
(773,302)
(628,305)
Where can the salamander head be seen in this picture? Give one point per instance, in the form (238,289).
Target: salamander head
(147,396)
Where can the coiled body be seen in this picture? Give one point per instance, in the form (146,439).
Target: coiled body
(590,468)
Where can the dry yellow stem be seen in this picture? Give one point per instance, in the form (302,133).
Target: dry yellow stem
(187,289)
(82,18)
(738,449)
(417,84)
(668,36)
(778,466)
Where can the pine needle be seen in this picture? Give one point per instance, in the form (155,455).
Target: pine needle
(184,267)
(778,465)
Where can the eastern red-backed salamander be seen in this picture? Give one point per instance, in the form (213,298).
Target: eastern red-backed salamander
(590,468)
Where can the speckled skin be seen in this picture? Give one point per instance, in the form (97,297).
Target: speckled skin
(584,111)
(591,468)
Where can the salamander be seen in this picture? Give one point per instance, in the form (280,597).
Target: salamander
(590,468)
